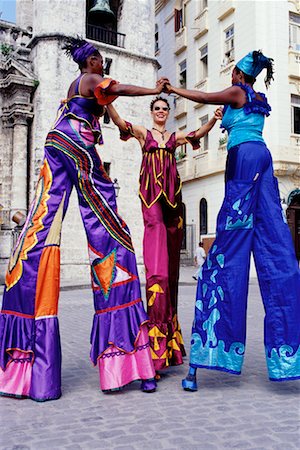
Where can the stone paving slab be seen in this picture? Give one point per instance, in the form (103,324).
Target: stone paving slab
(228,412)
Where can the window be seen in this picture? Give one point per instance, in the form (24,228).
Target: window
(295,31)
(203,216)
(203,62)
(204,139)
(156,39)
(182,74)
(229,45)
(178,20)
(295,103)
(179,16)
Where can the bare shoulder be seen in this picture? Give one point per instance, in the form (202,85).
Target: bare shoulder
(88,83)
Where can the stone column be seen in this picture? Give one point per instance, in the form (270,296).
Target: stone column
(19,167)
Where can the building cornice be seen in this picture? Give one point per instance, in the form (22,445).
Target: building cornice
(118,51)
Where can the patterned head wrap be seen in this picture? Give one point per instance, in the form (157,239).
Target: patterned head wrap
(254,62)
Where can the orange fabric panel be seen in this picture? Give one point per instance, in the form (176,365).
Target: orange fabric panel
(104,271)
(48,282)
(100,92)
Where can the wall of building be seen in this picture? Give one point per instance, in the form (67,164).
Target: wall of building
(257,25)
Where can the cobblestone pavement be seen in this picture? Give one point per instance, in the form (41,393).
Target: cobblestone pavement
(246,412)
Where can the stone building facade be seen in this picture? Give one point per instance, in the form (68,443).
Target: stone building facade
(197,44)
(35,77)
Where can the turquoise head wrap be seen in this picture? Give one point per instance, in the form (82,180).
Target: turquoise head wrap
(254,62)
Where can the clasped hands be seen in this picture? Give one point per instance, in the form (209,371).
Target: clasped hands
(164,85)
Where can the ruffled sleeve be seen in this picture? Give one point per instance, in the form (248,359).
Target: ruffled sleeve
(128,133)
(103,98)
(253,104)
(191,139)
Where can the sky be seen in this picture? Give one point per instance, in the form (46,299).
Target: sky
(8,10)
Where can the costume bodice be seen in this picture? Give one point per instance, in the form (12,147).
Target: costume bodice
(246,123)
(84,109)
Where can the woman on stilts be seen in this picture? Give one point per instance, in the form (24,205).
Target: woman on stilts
(30,353)
(250,219)
(160,194)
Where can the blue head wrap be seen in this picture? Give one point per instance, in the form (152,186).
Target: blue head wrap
(254,62)
(79,54)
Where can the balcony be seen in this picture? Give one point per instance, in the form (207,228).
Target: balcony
(201,24)
(180,41)
(106,36)
(181,107)
(294,64)
(226,8)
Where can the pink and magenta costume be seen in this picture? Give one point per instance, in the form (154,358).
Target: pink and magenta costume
(160,193)
(30,353)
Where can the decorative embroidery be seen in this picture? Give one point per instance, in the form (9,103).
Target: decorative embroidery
(34,223)
(107,273)
(104,271)
(211,352)
(156,289)
(283,363)
(85,166)
(121,353)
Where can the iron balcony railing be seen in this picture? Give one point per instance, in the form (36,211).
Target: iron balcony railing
(107,36)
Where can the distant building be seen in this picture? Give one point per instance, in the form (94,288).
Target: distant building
(35,75)
(197,43)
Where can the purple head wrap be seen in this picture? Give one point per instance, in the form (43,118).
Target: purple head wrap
(79,54)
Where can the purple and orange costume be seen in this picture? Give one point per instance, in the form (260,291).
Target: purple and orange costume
(160,193)
(30,353)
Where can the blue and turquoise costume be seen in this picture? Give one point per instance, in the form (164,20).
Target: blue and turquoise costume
(250,220)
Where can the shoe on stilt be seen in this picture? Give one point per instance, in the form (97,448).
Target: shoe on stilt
(148,386)
(190,382)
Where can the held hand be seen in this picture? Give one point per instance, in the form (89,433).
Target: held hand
(160,84)
(218,114)
(167,88)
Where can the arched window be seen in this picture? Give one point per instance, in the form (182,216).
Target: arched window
(183,245)
(203,216)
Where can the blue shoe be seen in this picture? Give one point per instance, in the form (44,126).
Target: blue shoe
(190,381)
(148,386)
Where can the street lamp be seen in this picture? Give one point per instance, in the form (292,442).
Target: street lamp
(116,187)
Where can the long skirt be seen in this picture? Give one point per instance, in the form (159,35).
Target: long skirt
(30,352)
(162,242)
(250,220)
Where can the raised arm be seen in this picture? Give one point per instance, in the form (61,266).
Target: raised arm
(233,95)
(127,129)
(182,138)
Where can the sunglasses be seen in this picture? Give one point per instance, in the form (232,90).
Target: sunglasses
(158,108)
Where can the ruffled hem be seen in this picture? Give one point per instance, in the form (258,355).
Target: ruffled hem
(119,328)
(128,133)
(16,333)
(195,142)
(100,92)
